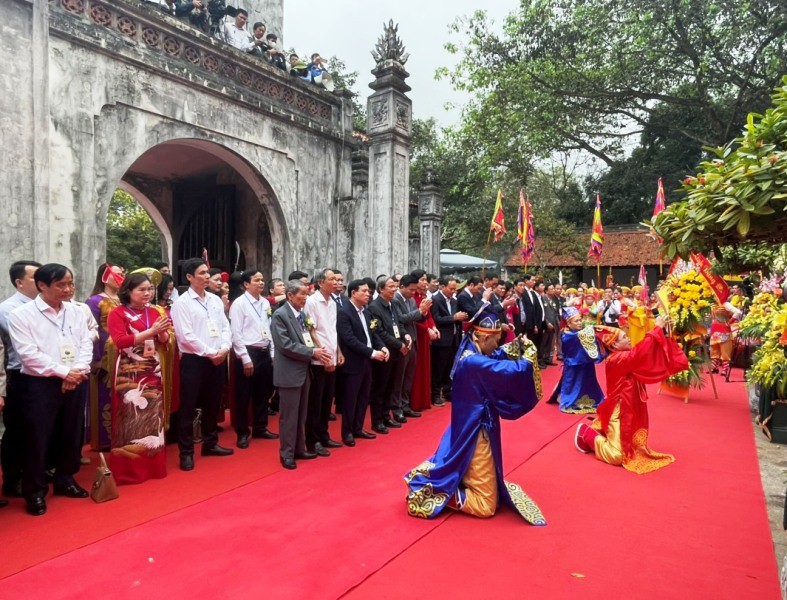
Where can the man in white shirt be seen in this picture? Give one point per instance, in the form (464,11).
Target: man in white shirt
(54,345)
(204,340)
(22,277)
(235,34)
(251,340)
(322,309)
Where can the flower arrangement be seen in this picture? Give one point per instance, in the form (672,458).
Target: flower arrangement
(690,300)
(269,312)
(309,323)
(757,321)
(770,363)
(374,324)
(691,377)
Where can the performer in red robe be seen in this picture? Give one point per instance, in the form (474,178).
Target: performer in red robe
(619,436)
(421,396)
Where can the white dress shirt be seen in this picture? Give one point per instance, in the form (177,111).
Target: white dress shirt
(250,325)
(12,303)
(191,316)
(92,324)
(239,38)
(363,324)
(40,333)
(322,310)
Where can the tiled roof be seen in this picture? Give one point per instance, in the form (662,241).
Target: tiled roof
(621,249)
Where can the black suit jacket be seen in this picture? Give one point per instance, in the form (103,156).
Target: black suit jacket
(534,316)
(468,303)
(352,339)
(408,314)
(387,318)
(450,329)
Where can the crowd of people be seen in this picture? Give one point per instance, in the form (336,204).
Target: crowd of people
(229,24)
(140,363)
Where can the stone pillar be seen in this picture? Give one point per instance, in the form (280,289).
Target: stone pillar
(430,217)
(389,129)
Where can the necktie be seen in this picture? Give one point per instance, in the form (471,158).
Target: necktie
(338,300)
(301,321)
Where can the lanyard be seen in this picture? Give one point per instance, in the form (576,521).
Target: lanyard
(259,314)
(62,325)
(205,305)
(139,316)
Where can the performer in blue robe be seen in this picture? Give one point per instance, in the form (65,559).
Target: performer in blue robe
(489,383)
(577,391)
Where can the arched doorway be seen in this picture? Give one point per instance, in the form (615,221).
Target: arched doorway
(201,194)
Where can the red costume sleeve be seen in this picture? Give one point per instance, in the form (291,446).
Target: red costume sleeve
(654,359)
(118,331)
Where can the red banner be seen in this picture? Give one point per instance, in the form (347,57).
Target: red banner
(719,287)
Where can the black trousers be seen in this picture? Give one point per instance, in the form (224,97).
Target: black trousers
(355,399)
(47,414)
(11,447)
(381,401)
(320,398)
(200,385)
(256,389)
(442,361)
(403,368)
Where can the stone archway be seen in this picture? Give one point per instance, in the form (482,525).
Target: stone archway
(202,194)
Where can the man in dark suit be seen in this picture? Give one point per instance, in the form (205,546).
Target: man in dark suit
(448,320)
(534,311)
(408,315)
(295,349)
(384,406)
(551,325)
(469,299)
(360,346)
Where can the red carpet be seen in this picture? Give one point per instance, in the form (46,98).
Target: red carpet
(340,523)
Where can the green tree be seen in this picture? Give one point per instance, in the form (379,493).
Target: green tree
(132,239)
(568,75)
(344,79)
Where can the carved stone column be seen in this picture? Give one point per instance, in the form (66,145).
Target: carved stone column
(389,129)
(430,216)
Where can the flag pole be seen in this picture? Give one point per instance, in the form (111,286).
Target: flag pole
(486,253)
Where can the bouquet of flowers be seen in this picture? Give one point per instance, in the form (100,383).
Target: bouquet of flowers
(758,320)
(691,377)
(690,299)
(770,363)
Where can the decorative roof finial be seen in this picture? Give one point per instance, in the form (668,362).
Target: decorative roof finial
(389,46)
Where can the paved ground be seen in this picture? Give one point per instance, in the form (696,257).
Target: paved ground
(773,469)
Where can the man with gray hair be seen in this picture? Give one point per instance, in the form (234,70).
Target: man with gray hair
(295,349)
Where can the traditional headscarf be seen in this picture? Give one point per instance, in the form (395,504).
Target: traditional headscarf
(110,274)
(570,311)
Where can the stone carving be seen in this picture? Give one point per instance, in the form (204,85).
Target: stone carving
(74,6)
(389,46)
(172,46)
(192,55)
(151,37)
(379,113)
(127,27)
(403,116)
(101,15)
(211,63)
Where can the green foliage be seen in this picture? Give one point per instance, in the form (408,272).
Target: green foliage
(741,195)
(344,79)
(756,256)
(132,239)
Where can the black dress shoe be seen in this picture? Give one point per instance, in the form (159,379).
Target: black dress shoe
(411,413)
(392,424)
(264,435)
(305,455)
(288,463)
(243,441)
(348,440)
(438,402)
(331,417)
(12,490)
(186,462)
(3,502)
(363,434)
(35,506)
(332,444)
(400,418)
(320,450)
(216,451)
(72,490)
(381,429)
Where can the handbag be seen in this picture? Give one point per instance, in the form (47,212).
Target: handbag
(104,485)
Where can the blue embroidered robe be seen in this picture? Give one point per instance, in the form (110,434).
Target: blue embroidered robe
(485,389)
(578,391)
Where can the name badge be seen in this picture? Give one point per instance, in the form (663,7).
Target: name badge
(265,333)
(150,349)
(396,330)
(68,352)
(307,339)
(213,329)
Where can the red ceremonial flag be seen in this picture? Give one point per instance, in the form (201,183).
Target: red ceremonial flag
(597,236)
(205,257)
(719,287)
(661,204)
(525,231)
(643,281)
(529,243)
(498,224)
(521,218)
